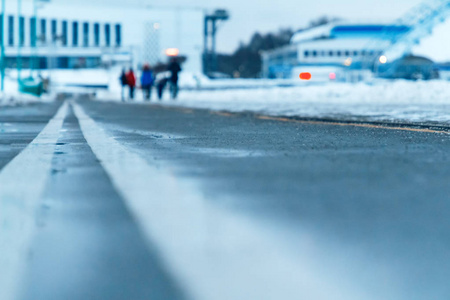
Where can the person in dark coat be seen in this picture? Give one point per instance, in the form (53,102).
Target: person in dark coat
(123,83)
(131,82)
(147,80)
(174,68)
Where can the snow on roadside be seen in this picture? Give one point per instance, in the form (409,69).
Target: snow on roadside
(392,101)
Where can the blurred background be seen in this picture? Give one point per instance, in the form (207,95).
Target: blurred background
(349,41)
(224,150)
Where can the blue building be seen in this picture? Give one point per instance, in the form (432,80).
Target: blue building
(91,36)
(329,49)
(344,49)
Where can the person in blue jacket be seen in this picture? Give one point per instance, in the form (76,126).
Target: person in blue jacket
(147,81)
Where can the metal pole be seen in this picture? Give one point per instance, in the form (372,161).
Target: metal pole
(213,46)
(205,45)
(35,33)
(19,47)
(2,46)
(205,34)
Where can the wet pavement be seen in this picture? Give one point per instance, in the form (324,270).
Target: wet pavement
(20,125)
(371,202)
(87,245)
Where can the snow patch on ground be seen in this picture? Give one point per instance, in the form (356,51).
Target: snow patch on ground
(381,100)
(378,100)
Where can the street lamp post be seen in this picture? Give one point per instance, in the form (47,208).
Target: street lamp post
(33,37)
(36,38)
(2,47)
(19,46)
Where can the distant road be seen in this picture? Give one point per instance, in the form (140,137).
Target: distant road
(136,201)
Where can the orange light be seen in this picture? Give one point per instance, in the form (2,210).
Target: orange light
(348,62)
(305,76)
(332,76)
(172,52)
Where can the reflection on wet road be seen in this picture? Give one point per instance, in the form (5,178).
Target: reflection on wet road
(144,201)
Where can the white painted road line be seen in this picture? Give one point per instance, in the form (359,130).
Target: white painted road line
(22,183)
(215,254)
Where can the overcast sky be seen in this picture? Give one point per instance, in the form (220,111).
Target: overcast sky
(248,16)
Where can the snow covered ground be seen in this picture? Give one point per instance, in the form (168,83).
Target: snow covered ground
(12,97)
(392,101)
(379,100)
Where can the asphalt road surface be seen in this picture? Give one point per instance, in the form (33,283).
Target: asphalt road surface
(106,200)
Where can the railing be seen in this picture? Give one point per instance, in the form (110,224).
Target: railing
(420,20)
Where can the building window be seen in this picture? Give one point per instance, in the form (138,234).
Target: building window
(22,31)
(96,34)
(331,53)
(355,53)
(347,53)
(75,34)
(339,53)
(108,35)
(314,53)
(64,31)
(118,35)
(43,36)
(54,29)
(11,31)
(33,32)
(306,53)
(85,34)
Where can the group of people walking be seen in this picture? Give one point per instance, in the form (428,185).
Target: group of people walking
(149,79)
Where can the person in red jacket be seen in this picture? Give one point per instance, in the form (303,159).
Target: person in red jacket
(131,82)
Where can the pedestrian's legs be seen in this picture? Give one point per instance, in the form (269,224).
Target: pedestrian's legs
(174,89)
(123,93)
(131,92)
(146,90)
(160,88)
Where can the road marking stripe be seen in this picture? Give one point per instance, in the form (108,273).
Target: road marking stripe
(213,253)
(331,123)
(22,182)
(352,125)
(223,114)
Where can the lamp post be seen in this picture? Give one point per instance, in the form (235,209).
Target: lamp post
(2,47)
(19,46)
(35,59)
(34,37)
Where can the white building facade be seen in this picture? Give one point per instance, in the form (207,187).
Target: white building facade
(74,36)
(328,49)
